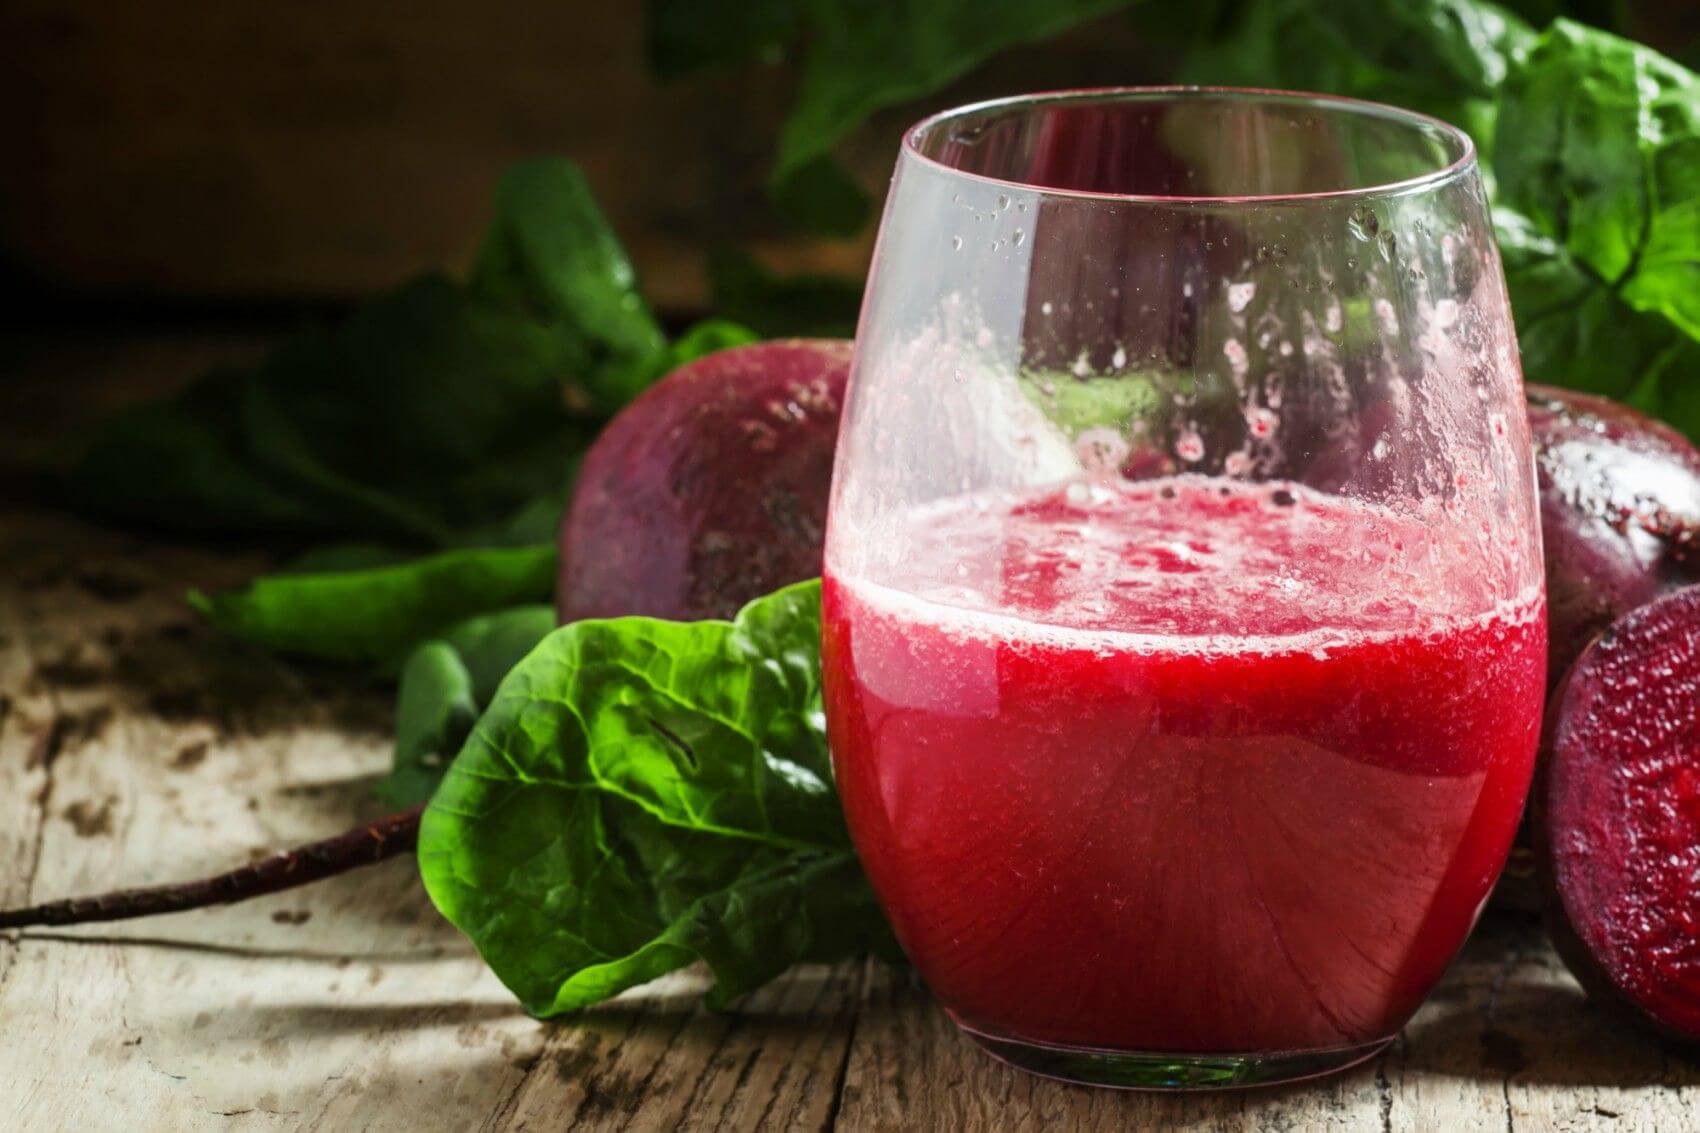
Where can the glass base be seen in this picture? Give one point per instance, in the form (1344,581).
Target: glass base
(1139,1070)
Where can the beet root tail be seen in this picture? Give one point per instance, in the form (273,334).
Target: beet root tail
(362,846)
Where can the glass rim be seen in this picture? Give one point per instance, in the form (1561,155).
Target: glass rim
(1463,158)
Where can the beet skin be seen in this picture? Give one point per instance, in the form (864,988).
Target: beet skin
(1620,513)
(710,489)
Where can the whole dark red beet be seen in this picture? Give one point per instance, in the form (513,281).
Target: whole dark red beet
(710,489)
(1617,816)
(1620,513)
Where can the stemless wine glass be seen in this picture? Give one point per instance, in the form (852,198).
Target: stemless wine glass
(1184,620)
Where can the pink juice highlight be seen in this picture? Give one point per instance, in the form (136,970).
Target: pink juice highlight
(1182,765)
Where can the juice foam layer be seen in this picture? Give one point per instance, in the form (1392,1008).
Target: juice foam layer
(1189,562)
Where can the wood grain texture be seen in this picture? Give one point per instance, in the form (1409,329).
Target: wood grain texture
(138,746)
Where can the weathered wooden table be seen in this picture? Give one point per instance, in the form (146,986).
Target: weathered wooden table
(137,746)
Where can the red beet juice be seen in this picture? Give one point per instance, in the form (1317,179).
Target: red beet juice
(1182,765)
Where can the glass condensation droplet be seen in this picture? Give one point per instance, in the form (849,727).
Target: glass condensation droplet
(971,134)
(1363,223)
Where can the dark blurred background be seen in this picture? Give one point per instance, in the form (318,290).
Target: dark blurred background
(236,167)
(234,170)
(242,156)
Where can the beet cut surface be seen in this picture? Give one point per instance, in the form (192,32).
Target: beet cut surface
(1618,821)
(710,489)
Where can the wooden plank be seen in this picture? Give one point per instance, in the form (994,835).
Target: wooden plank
(176,751)
(657,1060)
(31,733)
(351,1005)
(1510,1042)
(137,745)
(1507,1042)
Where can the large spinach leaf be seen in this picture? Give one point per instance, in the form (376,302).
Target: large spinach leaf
(1574,329)
(1601,150)
(1597,171)
(642,794)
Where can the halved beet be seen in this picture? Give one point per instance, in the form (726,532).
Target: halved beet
(1620,519)
(1620,513)
(710,489)
(1617,821)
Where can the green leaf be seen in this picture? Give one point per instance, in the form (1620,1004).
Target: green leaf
(685,35)
(430,413)
(799,306)
(643,794)
(865,55)
(425,412)
(1446,57)
(538,520)
(181,464)
(822,198)
(435,710)
(1598,216)
(344,556)
(1178,27)
(859,57)
(552,254)
(1104,401)
(1594,164)
(376,613)
(444,685)
(490,645)
(1575,330)
(1601,151)
(708,337)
